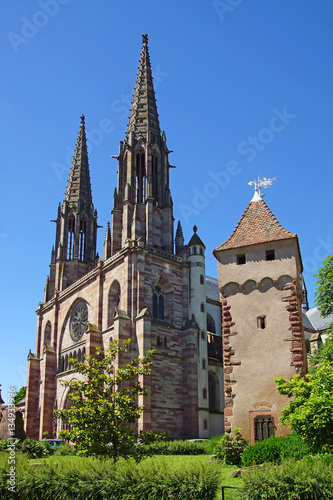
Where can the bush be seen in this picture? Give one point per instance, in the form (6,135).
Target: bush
(36,449)
(230,448)
(274,449)
(65,449)
(306,479)
(81,478)
(177,447)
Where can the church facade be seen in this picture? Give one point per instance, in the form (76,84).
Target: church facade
(149,287)
(214,341)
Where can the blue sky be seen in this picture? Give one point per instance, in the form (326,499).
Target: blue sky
(244,88)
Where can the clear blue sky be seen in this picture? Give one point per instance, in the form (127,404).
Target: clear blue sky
(224,73)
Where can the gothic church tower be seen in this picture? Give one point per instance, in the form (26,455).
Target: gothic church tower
(141,290)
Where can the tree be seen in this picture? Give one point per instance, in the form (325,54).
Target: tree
(310,413)
(324,292)
(20,395)
(104,404)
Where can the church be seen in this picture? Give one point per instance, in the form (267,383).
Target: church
(218,343)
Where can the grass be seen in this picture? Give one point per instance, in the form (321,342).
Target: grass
(177,462)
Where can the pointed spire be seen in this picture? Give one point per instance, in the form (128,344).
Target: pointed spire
(179,238)
(195,240)
(143,115)
(107,242)
(78,191)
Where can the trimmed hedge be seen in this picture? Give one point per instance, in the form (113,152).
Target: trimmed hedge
(177,447)
(69,478)
(274,449)
(308,479)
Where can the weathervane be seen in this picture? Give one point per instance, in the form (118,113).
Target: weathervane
(260,183)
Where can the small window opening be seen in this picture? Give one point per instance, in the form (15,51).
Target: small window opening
(204,364)
(241,259)
(203,335)
(204,393)
(270,254)
(261,322)
(194,250)
(201,279)
(70,237)
(82,239)
(158,341)
(201,251)
(205,424)
(202,307)
(165,342)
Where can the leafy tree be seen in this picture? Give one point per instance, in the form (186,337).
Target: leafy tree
(104,404)
(20,395)
(324,292)
(310,413)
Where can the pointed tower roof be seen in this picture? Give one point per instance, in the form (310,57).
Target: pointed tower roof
(195,240)
(143,115)
(78,191)
(257,225)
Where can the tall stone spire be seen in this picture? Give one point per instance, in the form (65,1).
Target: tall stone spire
(143,171)
(76,231)
(78,191)
(143,115)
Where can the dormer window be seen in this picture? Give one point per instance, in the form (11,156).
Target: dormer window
(270,254)
(241,259)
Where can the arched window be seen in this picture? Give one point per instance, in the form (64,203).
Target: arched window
(165,342)
(140,177)
(79,356)
(66,363)
(213,386)
(202,279)
(82,239)
(47,334)
(62,364)
(154,178)
(158,303)
(114,301)
(70,237)
(158,341)
(194,250)
(83,354)
(210,324)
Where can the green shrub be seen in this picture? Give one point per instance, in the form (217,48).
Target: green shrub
(274,449)
(69,478)
(36,449)
(65,449)
(212,444)
(305,479)
(230,448)
(177,447)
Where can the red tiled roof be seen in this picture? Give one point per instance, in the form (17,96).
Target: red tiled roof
(257,225)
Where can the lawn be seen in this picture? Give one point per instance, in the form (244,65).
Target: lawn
(177,462)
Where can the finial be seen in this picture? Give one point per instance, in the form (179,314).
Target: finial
(260,183)
(82,119)
(145,39)
(195,229)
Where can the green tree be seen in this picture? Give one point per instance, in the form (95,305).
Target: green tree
(324,292)
(105,404)
(310,413)
(20,394)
